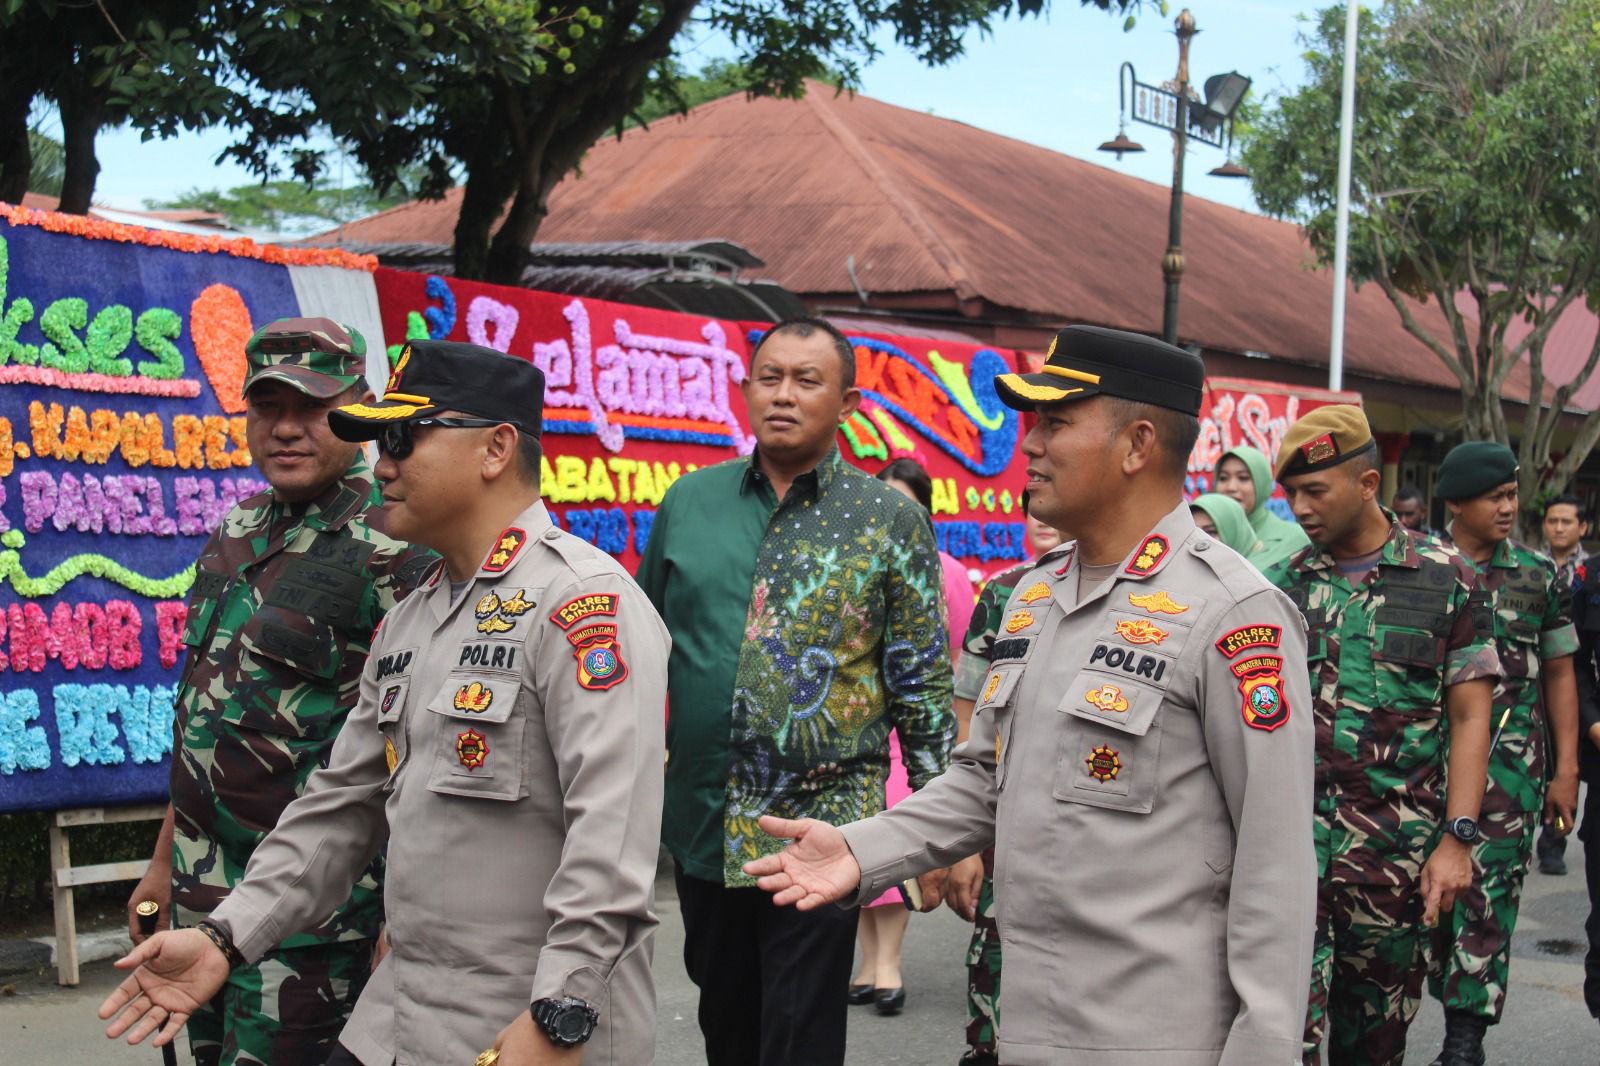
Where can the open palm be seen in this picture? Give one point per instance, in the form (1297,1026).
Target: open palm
(174,973)
(816,868)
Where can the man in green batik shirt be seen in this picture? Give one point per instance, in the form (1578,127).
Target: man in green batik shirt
(1400,639)
(1536,641)
(286,596)
(804,600)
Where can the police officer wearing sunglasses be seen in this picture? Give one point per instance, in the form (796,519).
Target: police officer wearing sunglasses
(507,747)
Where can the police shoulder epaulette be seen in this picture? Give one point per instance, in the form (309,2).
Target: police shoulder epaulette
(1236,575)
(581,557)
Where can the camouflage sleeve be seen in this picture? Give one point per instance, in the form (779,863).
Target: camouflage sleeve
(971,669)
(1558,637)
(978,644)
(398,574)
(1470,653)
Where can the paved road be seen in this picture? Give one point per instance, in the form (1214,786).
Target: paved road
(1545,1025)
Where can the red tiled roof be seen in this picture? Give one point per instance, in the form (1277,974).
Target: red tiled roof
(927,205)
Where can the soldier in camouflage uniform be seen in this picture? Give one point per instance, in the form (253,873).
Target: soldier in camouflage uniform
(1564,529)
(977,650)
(1398,626)
(1536,640)
(287,594)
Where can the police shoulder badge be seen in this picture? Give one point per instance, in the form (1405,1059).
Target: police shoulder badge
(594,640)
(1157,603)
(1149,555)
(1246,637)
(1265,706)
(506,547)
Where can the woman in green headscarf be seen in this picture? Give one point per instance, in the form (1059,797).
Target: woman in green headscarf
(1223,518)
(1246,475)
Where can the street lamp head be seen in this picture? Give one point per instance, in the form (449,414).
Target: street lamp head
(1230,169)
(1121,144)
(1224,93)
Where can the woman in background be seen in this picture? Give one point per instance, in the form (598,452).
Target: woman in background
(1246,475)
(1223,518)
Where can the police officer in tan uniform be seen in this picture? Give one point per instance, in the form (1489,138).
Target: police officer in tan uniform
(507,746)
(1140,757)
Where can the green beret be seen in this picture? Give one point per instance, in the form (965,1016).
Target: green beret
(1326,437)
(1474,468)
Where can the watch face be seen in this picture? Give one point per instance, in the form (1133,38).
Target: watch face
(572,1024)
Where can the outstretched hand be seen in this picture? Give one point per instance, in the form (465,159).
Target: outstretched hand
(816,868)
(174,974)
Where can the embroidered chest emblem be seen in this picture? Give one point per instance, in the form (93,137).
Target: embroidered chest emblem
(1140,631)
(1019,621)
(472,749)
(1157,603)
(500,616)
(1036,592)
(1104,763)
(1108,698)
(991,688)
(473,698)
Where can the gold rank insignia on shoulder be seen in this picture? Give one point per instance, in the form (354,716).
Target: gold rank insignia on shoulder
(1104,763)
(1157,603)
(1140,631)
(1036,592)
(506,547)
(1019,621)
(1150,553)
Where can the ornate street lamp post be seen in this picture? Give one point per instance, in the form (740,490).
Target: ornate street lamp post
(1174,106)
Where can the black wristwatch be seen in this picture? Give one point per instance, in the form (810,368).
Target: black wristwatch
(1463,829)
(568,1021)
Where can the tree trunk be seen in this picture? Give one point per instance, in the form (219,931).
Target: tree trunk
(508,253)
(16,152)
(83,112)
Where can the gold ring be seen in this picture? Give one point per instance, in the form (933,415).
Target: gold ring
(487,1058)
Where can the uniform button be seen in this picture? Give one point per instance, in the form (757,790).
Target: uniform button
(1202,545)
(552,534)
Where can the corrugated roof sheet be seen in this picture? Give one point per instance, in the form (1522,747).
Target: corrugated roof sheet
(929,205)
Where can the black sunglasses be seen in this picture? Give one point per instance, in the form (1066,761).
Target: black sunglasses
(396,441)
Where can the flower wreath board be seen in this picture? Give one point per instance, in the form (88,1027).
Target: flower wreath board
(122,445)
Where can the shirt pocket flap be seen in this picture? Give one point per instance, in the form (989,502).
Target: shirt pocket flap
(477,696)
(1111,701)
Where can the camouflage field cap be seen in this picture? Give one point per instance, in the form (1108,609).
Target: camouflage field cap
(1085,361)
(1474,468)
(318,356)
(1326,437)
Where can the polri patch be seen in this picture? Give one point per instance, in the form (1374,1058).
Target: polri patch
(1157,603)
(506,547)
(1140,631)
(1261,685)
(1104,763)
(494,654)
(1149,555)
(472,749)
(1247,637)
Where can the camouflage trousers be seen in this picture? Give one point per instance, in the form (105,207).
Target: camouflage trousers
(1471,949)
(983,980)
(288,1008)
(1366,973)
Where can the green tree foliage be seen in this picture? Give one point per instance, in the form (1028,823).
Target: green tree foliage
(292,208)
(49,164)
(1476,171)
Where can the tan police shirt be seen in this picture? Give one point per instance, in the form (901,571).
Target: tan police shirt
(508,746)
(1142,762)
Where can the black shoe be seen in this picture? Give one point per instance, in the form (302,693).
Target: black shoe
(1554,865)
(860,995)
(1463,1040)
(891,1000)
(978,1058)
